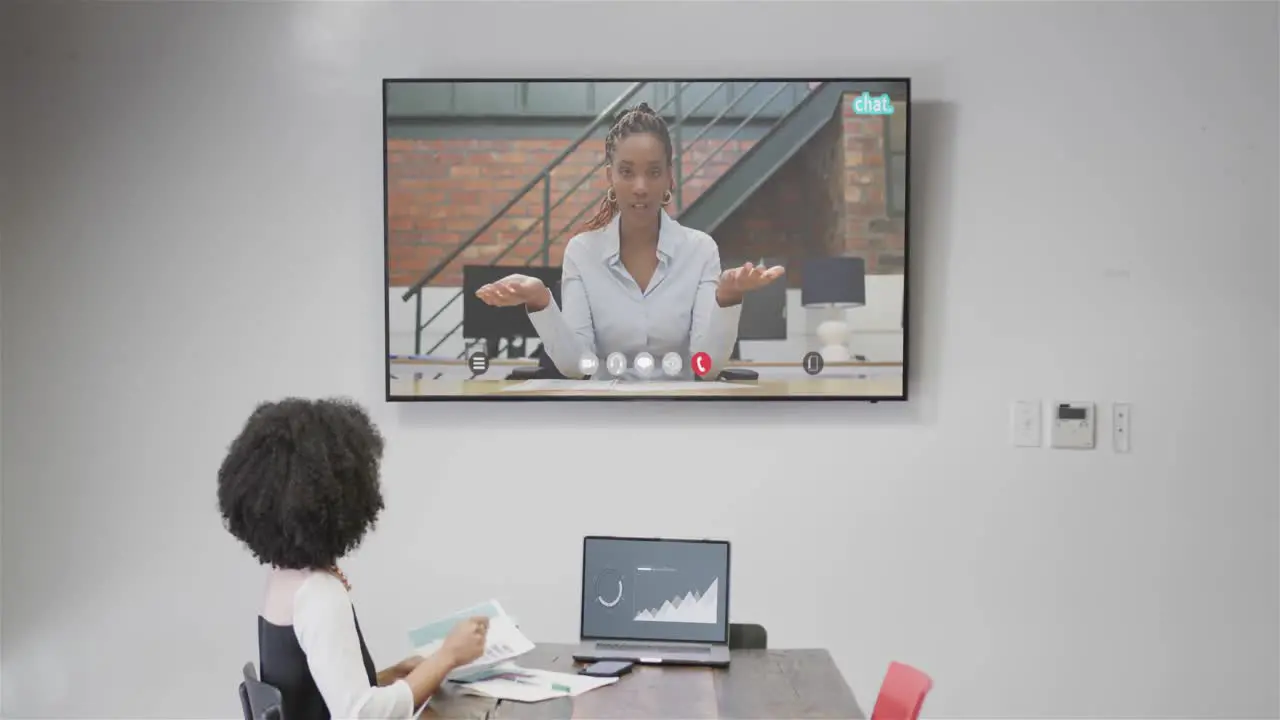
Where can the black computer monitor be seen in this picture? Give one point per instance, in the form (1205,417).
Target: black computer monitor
(481,321)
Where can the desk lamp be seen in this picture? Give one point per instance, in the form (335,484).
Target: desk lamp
(834,284)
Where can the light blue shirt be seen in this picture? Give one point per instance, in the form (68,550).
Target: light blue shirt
(605,311)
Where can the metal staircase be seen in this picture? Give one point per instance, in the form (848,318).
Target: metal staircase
(806,112)
(770,153)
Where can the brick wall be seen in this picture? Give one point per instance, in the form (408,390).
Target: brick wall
(871,230)
(441,191)
(828,199)
(796,213)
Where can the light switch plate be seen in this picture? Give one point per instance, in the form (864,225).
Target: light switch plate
(1071,425)
(1120,422)
(1026,425)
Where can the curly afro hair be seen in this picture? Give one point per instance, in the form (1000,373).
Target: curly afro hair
(299,485)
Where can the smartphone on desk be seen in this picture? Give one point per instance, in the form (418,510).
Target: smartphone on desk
(607,668)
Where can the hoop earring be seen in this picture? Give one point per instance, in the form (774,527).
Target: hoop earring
(611,196)
(667,197)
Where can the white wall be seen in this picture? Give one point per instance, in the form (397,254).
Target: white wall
(196,225)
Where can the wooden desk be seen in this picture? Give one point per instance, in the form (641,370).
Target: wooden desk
(764,684)
(874,386)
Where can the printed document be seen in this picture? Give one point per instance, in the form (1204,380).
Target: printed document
(512,682)
(503,642)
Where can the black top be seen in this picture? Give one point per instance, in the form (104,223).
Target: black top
(284,666)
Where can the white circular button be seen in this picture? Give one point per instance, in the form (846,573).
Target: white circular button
(616,363)
(588,364)
(672,364)
(644,364)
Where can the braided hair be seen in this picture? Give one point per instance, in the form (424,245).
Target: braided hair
(639,120)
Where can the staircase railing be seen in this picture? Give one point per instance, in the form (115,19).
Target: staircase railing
(543,176)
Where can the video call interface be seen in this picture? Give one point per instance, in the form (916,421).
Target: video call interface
(645,590)
(676,239)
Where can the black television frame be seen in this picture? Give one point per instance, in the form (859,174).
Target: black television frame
(629,397)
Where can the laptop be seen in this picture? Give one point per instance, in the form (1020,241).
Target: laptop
(655,601)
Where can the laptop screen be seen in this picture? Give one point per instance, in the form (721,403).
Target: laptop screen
(649,589)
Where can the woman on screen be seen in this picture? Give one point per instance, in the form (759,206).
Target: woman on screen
(635,280)
(299,486)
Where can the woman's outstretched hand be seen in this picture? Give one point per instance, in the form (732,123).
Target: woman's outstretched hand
(737,282)
(516,290)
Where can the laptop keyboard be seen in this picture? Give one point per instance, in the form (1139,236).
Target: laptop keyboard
(632,647)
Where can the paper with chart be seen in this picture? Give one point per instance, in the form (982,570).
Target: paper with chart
(526,685)
(503,642)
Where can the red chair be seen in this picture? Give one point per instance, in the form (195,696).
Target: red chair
(902,693)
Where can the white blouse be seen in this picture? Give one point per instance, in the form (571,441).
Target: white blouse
(324,623)
(605,311)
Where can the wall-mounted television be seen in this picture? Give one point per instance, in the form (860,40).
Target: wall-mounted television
(700,239)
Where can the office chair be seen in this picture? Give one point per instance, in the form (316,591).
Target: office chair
(747,636)
(259,700)
(902,693)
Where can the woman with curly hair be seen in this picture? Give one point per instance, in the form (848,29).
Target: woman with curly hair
(299,486)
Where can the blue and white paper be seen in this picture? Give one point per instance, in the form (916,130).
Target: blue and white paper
(503,642)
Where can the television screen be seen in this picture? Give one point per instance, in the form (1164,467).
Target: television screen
(616,239)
